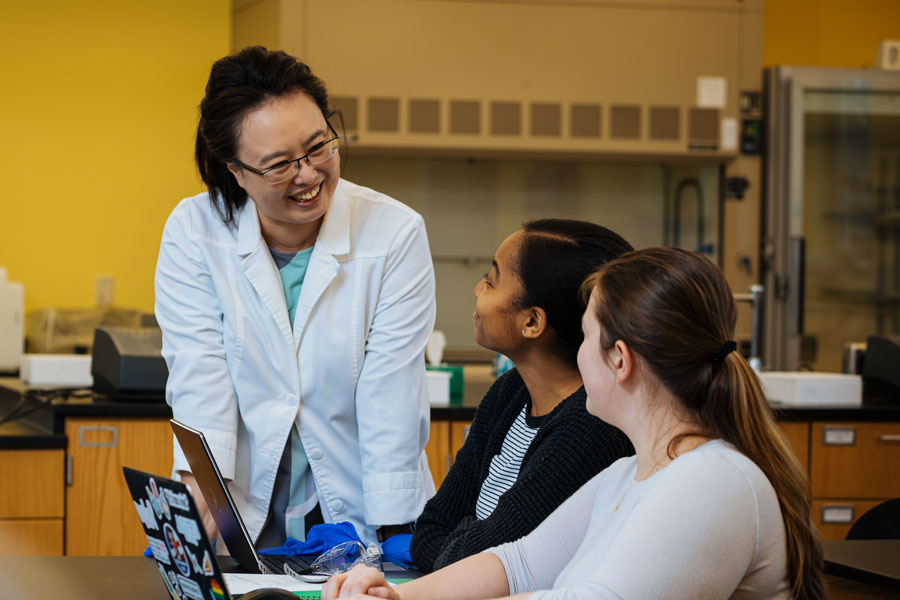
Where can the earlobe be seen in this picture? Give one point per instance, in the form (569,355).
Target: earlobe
(536,322)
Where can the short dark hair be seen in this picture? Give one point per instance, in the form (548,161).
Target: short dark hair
(554,259)
(237,84)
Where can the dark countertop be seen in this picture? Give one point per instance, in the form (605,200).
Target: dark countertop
(44,424)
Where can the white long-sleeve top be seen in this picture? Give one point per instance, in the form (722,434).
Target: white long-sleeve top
(350,370)
(707,526)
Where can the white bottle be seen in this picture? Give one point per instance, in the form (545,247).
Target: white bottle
(12,323)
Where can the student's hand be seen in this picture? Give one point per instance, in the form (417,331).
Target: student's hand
(360,580)
(209,524)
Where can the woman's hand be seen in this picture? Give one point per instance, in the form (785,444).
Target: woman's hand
(209,523)
(360,580)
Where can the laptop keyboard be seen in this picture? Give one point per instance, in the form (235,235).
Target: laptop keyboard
(276,563)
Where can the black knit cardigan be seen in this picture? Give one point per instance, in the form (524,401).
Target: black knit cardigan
(570,447)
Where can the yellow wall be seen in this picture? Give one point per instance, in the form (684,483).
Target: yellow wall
(97,114)
(827,33)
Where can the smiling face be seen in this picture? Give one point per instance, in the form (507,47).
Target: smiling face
(283,129)
(598,375)
(498,319)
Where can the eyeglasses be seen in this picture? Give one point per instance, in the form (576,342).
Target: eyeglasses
(318,154)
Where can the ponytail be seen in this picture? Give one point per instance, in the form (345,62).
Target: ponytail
(745,420)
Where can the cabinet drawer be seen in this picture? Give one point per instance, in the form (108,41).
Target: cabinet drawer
(32,484)
(835,517)
(855,460)
(31,537)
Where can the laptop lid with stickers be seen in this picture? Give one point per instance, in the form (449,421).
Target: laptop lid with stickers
(177,538)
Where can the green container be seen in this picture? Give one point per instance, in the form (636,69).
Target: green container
(456,381)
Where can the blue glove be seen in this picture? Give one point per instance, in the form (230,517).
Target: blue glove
(321,538)
(395,549)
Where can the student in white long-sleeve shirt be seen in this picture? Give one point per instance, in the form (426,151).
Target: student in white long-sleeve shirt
(713,505)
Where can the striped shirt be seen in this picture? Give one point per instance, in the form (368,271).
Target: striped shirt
(504,469)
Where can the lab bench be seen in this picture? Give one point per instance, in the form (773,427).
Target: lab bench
(63,491)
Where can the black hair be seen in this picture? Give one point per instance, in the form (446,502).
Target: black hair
(554,259)
(237,84)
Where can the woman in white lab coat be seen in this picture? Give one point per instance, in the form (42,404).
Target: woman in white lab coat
(295,307)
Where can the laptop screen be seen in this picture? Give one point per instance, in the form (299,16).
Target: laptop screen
(177,538)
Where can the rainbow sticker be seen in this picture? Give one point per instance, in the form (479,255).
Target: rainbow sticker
(216,589)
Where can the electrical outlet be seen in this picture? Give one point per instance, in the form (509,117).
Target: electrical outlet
(104,290)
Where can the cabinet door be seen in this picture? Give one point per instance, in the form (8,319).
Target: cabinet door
(797,435)
(458,432)
(31,537)
(438,451)
(100,515)
(855,460)
(32,484)
(31,502)
(835,517)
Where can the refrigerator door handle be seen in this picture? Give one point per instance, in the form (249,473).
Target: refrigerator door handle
(798,268)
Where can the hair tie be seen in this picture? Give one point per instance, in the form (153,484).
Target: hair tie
(719,357)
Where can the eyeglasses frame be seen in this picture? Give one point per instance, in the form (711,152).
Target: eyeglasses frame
(296,160)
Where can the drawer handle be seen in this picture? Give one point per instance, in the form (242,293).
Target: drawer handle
(889,438)
(112,443)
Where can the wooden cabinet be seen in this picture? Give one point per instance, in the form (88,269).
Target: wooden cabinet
(31,502)
(100,516)
(797,435)
(446,439)
(853,467)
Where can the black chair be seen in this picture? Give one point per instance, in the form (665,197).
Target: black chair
(881,522)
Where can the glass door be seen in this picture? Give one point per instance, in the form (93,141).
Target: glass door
(832,253)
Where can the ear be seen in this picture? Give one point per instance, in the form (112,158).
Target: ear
(237,172)
(535,322)
(623,361)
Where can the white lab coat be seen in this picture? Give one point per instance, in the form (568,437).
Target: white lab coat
(352,365)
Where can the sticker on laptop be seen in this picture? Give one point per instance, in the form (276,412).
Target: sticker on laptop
(176,548)
(188,528)
(217,592)
(145,512)
(169,586)
(177,499)
(159,549)
(207,564)
(190,589)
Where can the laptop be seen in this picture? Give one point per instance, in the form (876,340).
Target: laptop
(177,539)
(225,512)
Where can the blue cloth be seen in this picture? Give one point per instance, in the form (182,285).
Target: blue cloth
(319,539)
(395,549)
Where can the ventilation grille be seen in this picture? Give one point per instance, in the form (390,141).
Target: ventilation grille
(348,106)
(506,118)
(545,119)
(703,127)
(584,120)
(384,115)
(625,122)
(424,116)
(465,117)
(664,122)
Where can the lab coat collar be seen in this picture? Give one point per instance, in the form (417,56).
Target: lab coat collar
(333,238)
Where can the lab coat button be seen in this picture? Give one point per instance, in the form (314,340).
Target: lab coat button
(316,453)
(337,506)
